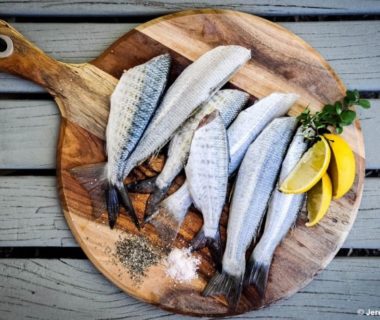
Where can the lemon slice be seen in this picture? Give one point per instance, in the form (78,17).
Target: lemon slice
(342,165)
(309,170)
(318,200)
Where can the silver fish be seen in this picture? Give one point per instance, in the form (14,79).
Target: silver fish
(207,176)
(228,102)
(195,85)
(254,184)
(133,103)
(282,213)
(246,127)
(251,121)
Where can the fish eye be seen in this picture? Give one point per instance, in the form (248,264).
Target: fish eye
(6,46)
(3,45)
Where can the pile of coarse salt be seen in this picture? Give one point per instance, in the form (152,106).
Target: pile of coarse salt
(181,265)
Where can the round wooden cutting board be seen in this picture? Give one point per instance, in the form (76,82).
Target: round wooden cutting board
(280,62)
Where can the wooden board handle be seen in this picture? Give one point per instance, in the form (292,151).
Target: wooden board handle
(81,91)
(20,57)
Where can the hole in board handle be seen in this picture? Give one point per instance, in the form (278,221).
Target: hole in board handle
(6,46)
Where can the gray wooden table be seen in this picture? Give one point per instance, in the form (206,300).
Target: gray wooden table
(42,272)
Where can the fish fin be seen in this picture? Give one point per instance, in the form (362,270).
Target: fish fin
(231,191)
(257,274)
(154,199)
(142,186)
(112,205)
(166,225)
(127,203)
(225,284)
(200,241)
(93,178)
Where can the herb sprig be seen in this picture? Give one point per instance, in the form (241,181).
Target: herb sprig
(337,116)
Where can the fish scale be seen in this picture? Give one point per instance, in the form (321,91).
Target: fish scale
(254,184)
(207,175)
(133,103)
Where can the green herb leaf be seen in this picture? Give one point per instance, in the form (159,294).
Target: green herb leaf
(333,116)
(338,107)
(339,130)
(364,103)
(347,117)
(350,95)
(328,108)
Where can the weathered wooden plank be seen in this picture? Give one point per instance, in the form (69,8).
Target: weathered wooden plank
(29,131)
(66,288)
(156,7)
(365,232)
(341,43)
(30,215)
(370,121)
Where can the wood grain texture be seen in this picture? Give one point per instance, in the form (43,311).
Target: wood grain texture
(29,133)
(62,289)
(156,7)
(281,62)
(81,91)
(30,215)
(341,43)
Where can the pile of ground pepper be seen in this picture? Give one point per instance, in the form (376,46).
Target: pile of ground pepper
(137,254)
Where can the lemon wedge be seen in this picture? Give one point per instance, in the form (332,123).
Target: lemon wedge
(309,170)
(342,165)
(318,200)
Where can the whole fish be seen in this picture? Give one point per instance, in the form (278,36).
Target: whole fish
(282,213)
(245,128)
(133,103)
(228,102)
(254,184)
(195,85)
(207,176)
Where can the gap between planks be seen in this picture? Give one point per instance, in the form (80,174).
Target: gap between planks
(29,133)
(341,43)
(30,215)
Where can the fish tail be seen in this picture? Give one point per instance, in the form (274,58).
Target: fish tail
(112,205)
(154,199)
(257,274)
(93,178)
(170,213)
(166,224)
(127,203)
(201,241)
(142,186)
(225,284)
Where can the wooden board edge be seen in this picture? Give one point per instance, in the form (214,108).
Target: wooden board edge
(360,170)
(251,16)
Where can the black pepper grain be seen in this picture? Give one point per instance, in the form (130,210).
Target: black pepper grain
(137,254)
